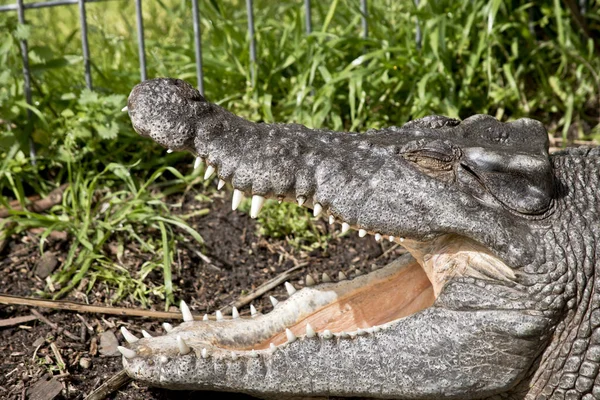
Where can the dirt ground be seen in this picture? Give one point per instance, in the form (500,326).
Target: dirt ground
(241,260)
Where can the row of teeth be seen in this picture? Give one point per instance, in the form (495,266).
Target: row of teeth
(184,348)
(259,201)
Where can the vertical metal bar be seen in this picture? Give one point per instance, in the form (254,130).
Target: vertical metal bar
(418,36)
(84,44)
(26,82)
(198,46)
(140,33)
(308,16)
(364,12)
(249,9)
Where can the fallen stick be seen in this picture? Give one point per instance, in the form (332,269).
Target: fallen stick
(16,320)
(264,288)
(113,384)
(71,306)
(37,204)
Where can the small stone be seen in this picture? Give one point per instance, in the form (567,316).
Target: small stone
(85,363)
(108,344)
(46,265)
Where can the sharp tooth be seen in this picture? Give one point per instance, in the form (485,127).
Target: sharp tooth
(272,347)
(374,267)
(331,219)
(182,345)
(317,209)
(309,281)
(219,315)
(146,334)
(169,151)
(362,233)
(220,184)
(290,336)
(253,354)
(124,109)
(310,332)
(233,356)
(205,318)
(274,301)
(167,327)
(342,276)
(402,239)
(185,312)
(127,353)
(204,353)
(253,311)
(234,313)
(327,334)
(257,204)
(163,359)
(197,162)
(360,332)
(300,200)
(391,238)
(238,196)
(128,335)
(325,277)
(290,289)
(358,273)
(377,237)
(345,227)
(209,171)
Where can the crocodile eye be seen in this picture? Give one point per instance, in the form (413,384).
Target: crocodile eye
(431,159)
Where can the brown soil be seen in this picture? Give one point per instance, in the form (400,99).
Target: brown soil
(241,261)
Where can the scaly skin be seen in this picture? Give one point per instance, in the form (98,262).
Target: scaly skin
(504,239)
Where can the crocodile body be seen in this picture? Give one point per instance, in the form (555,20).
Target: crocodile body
(500,298)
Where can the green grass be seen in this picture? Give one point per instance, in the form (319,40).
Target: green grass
(508,59)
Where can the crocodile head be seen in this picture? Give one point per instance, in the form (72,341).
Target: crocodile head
(468,315)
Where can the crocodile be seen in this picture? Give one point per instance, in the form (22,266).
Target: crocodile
(498,297)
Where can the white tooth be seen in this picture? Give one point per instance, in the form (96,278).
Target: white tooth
(325,277)
(274,301)
(317,209)
(209,171)
(238,196)
(360,332)
(128,335)
(169,151)
(358,273)
(376,329)
(310,332)
(290,289)
(146,334)
(300,200)
(374,267)
(344,335)
(257,204)
(233,356)
(204,353)
(163,359)
(182,345)
(220,184)
(234,313)
(167,326)
(253,354)
(402,239)
(127,353)
(327,334)
(342,276)
(253,311)
(377,237)
(205,318)
(309,281)
(185,312)
(331,219)
(362,233)
(290,335)
(272,347)
(345,227)
(219,315)
(197,162)
(124,109)
(391,239)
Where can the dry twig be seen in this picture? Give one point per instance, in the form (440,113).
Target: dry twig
(108,387)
